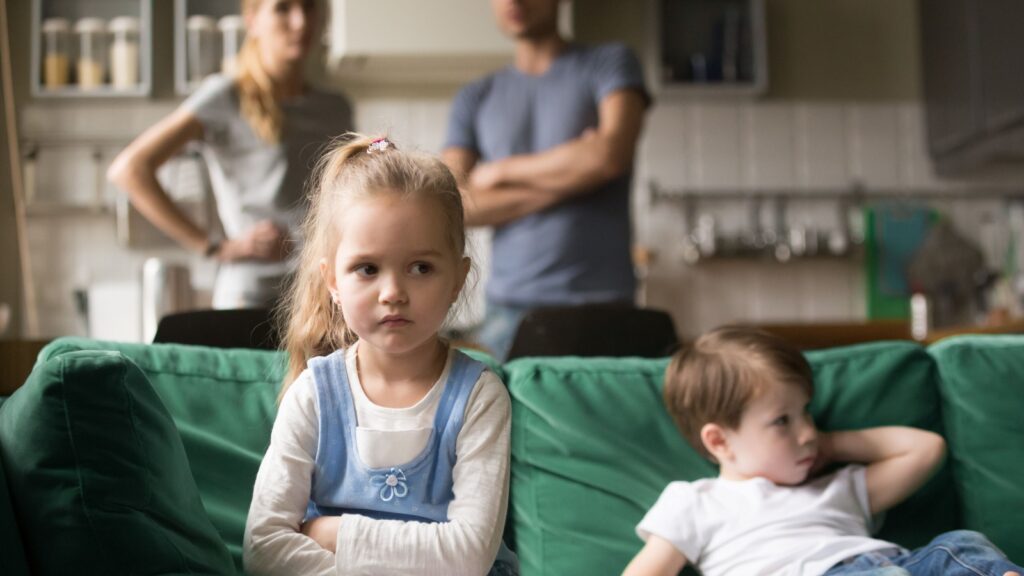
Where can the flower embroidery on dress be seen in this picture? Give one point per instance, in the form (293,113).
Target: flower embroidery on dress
(392,485)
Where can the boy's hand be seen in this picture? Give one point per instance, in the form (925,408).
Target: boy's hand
(824,457)
(324,531)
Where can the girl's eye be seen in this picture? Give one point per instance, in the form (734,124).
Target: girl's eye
(365,270)
(420,268)
(781,421)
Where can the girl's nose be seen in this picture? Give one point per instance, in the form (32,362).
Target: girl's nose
(392,291)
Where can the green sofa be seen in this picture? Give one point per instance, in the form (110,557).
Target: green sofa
(140,459)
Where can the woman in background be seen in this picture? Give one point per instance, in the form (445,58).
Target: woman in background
(260,133)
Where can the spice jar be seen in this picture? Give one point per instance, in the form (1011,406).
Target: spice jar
(203,47)
(124,52)
(92,64)
(56,52)
(232,31)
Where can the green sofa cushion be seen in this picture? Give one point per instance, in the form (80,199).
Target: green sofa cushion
(98,474)
(223,402)
(575,507)
(880,384)
(12,561)
(983,408)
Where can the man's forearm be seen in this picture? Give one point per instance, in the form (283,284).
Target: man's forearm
(497,206)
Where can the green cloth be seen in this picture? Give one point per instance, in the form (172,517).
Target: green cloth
(592,448)
(98,475)
(12,560)
(982,390)
(223,403)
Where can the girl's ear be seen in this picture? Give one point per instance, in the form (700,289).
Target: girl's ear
(327,273)
(463,272)
(715,441)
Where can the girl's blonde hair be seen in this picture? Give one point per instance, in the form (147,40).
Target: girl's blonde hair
(350,170)
(255,88)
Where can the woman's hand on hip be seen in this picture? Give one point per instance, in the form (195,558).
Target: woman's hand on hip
(265,241)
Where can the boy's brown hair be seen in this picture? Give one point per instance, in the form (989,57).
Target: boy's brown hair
(713,379)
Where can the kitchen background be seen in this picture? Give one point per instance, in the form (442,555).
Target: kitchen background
(832,114)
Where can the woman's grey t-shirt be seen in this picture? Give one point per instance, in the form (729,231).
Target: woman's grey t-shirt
(253,180)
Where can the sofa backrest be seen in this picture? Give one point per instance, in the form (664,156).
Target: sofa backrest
(982,389)
(223,404)
(593,447)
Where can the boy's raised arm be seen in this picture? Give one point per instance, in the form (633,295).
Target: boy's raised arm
(898,459)
(657,558)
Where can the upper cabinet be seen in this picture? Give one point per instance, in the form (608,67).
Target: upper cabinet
(208,35)
(88,48)
(972,53)
(709,47)
(418,42)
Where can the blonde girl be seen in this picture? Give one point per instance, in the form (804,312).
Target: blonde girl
(390,452)
(258,131)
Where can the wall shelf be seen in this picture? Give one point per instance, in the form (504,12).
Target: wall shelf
(70,85)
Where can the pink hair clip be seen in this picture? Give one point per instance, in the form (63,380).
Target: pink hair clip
(379,145)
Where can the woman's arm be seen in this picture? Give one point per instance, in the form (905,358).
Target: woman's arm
(898,459)
(657,558)
(468,542)
(273,544)
(134,171)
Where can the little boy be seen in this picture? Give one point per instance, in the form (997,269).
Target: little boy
(740,396)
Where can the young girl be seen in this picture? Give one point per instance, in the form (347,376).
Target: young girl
(390,452)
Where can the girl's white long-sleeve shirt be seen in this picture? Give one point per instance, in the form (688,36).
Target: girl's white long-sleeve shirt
(466,544)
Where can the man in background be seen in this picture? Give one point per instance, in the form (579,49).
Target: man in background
(544,152)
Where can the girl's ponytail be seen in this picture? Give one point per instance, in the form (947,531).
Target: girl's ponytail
(313,323)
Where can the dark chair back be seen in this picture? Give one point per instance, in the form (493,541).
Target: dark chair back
(595,330)
(240,328)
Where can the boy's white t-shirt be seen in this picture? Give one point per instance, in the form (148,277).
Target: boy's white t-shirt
(756,527)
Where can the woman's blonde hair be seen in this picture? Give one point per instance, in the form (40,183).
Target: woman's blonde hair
(354,167)
(255,88)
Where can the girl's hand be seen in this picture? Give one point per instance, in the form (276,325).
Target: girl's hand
(324,531)
(265,241)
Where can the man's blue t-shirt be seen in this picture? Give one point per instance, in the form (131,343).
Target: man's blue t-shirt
(579,250)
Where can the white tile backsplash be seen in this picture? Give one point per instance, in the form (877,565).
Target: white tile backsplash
(686,144)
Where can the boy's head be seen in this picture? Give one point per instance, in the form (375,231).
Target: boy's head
(739,395)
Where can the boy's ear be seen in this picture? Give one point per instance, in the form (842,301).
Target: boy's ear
(713,437)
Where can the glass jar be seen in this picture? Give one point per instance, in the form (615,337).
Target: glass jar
(56,52)
(203,47)
(92,62)
(232,31)
(124,52)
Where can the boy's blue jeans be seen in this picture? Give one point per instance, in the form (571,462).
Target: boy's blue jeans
(957,553)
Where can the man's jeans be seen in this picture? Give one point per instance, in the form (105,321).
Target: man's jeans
(499,328)
(961,552)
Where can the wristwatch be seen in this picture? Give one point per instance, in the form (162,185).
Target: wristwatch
(212,247)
